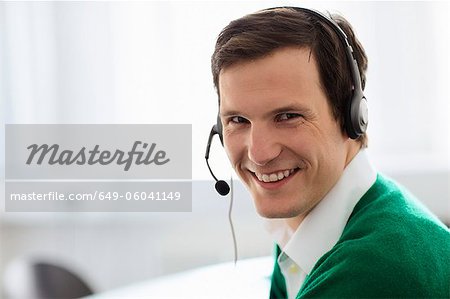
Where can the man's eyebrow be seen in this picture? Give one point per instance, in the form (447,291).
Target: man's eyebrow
(290,107)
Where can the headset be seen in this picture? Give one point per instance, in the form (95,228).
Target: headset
(356,114)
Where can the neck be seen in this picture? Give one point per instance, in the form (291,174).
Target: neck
(354,148)
(295,222)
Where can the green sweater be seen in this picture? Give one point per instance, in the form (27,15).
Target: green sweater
(391,247)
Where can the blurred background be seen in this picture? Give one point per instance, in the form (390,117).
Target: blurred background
(149,63)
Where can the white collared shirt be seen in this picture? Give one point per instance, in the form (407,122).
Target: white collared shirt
(323,226)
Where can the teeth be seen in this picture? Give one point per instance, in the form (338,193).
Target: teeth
(273,177)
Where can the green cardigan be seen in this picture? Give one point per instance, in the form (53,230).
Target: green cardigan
(391,247)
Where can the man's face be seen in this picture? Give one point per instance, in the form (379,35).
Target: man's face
(279,132)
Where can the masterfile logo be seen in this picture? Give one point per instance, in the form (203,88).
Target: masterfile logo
(91,157)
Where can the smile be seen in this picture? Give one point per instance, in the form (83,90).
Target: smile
(275,176)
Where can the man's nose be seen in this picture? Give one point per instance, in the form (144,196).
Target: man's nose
(263,145)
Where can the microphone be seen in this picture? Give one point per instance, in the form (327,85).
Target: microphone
(221,186)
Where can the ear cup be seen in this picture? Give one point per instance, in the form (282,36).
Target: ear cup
(357,117)
(363,116)
(357,114)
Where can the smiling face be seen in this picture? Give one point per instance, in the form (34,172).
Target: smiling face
(279,132)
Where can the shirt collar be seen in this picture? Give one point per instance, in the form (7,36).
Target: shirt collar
(323,226)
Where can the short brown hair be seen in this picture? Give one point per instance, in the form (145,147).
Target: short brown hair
(259,34)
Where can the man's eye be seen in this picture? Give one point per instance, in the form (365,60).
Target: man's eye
(238,119)
(287,116)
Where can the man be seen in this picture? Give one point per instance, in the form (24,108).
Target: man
(286,94)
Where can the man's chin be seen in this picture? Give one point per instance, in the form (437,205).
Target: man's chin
(271,213)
